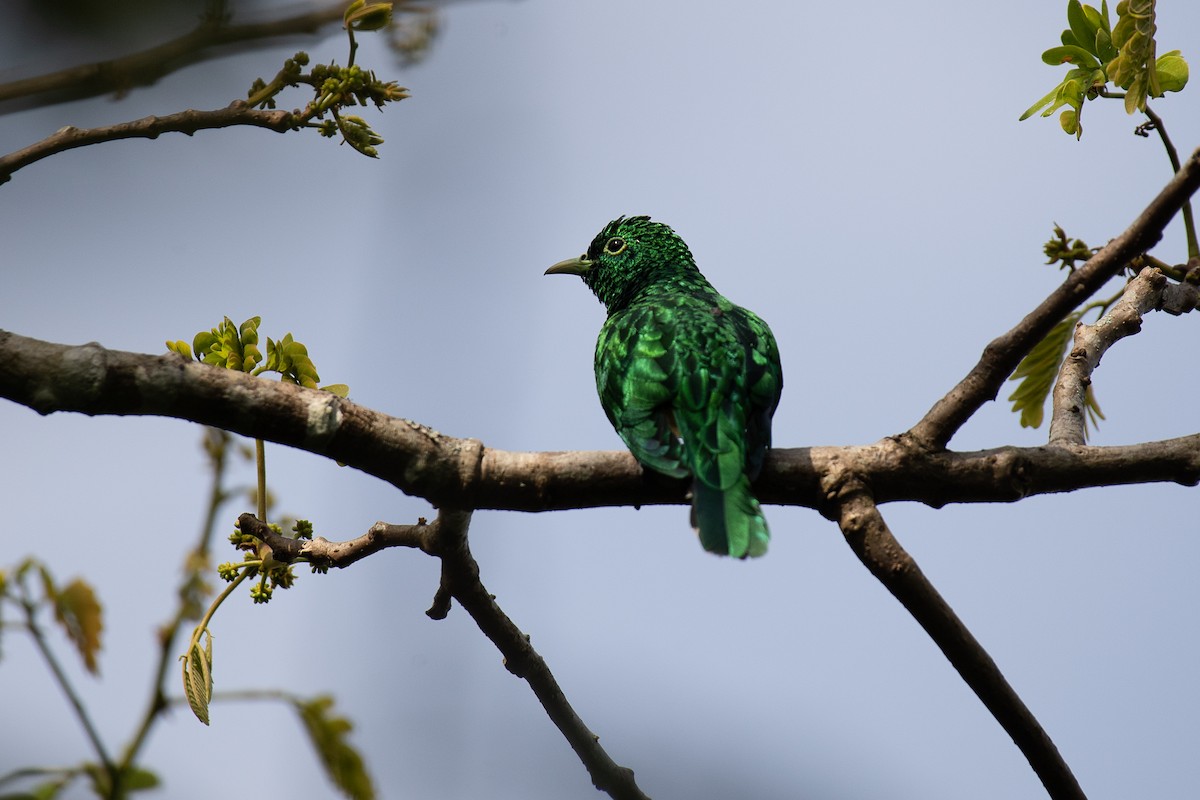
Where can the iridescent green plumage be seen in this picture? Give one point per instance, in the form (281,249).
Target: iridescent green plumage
(688,379)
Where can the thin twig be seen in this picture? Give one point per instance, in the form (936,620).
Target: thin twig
(460,576)
(1189,222)
(446,538)
(64,683)
(188,122)
(323,553)
(869,537)
(1002,355)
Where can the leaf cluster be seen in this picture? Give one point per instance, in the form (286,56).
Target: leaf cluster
(258,563)
(236,347)
(336,88)
(1099,54)
(1060,250)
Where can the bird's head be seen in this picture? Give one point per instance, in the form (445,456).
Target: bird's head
(628,255)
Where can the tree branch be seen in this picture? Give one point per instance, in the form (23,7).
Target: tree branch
(446,538)
(869,537)
(322,553)
(463,473)
(68,138)
(1002,355)
(144,68)
(1144,293)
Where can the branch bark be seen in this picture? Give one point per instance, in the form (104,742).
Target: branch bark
(463,473)
(1148,291)
(450,471)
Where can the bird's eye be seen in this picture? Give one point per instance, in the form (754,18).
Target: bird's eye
(614,245)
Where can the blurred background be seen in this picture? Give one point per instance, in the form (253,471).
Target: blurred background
(856,175)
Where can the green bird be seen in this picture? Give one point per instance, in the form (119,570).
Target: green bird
(689,380)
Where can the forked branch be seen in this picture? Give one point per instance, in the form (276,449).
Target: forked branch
(1150,290)
(446,538)
(451,471)
(1002,355)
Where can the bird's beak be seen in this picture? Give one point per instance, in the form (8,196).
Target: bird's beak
(572,266)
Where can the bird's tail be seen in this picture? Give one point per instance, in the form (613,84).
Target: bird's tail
(729,522)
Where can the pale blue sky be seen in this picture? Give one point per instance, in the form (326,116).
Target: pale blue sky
(858,178)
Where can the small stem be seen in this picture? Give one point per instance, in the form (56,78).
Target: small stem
(24,773)
(1189,222)
(1103,305)
(212,609)
(264,94)
(43,647)
(260,462)
(1170,270)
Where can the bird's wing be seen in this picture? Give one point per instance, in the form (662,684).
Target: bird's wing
(763,384)
(636,377)
(710,407)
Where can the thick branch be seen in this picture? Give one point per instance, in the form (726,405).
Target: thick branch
(68,138)
(869,537)
(462,473)
(1002,355)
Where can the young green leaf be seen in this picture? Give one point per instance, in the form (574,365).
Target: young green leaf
(47,790)
(1132,68)
(78,611)
(1040,104)
(328,734)
(1172,71)
(361,16)
(1037,371)
(197,677)
(1083,27)
(1070,54)
(1069,120)
(180,348)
